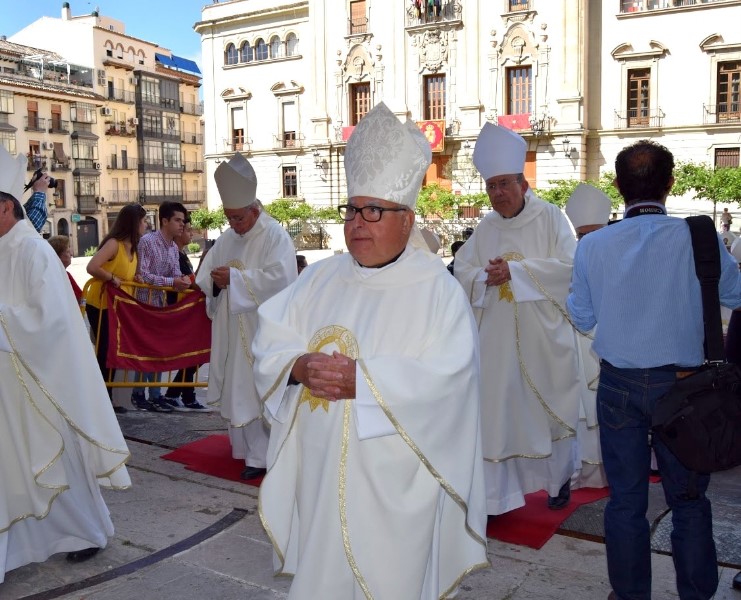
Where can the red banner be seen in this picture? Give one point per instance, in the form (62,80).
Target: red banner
(152,338)
(434,131)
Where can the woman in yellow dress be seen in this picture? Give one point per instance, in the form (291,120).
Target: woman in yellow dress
(114,262)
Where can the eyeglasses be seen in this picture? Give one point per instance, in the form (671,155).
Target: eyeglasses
(499,185)
(371,214)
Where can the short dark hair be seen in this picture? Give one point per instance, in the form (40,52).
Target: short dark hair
(17,207)
(643,171)
(168,209)
(455,246)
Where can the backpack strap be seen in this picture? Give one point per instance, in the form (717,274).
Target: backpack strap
(707,267)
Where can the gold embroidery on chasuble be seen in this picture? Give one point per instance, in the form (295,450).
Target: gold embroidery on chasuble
(326,336)
(235,264)
(505,290)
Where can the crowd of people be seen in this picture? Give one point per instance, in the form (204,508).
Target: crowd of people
(389,407)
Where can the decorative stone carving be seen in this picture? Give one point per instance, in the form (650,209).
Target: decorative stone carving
(433,50)
(357,64)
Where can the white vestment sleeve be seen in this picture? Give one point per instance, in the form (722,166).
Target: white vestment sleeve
(478,291)
(4,343)
(523,287)
(240,299)
(370,420)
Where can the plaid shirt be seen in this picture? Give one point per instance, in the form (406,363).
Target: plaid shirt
(159,264)
(36,210)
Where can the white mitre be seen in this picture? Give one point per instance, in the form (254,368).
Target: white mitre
(499,151)
(12,173)
(588,206)
(386,159)
(237,182)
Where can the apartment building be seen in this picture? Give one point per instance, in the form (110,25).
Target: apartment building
(285,83)
(144,142)
(47,108)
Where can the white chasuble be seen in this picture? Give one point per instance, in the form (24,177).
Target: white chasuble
(530,384)
(59,437)
(589,469)
(386,501)
(262,262)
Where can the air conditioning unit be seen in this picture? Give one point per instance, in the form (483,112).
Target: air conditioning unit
(134,121)
(48,145)
(106,112)
(96,166)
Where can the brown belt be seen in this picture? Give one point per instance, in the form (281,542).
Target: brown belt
(683,374)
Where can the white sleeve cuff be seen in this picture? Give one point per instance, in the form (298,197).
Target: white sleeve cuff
(370,420)
(523,286)
(478,293)
(4,342)
(240,298)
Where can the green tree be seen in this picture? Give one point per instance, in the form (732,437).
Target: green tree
(435,201)
(561,189)
(206,219)
(327,213)
(286,210)
(706,183)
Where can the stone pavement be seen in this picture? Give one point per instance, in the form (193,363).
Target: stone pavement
(187,536)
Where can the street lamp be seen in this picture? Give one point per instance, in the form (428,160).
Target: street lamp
(568,149)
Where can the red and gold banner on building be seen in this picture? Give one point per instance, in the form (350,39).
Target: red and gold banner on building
(151,338)
(434,131)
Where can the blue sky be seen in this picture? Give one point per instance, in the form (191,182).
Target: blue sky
(168,23)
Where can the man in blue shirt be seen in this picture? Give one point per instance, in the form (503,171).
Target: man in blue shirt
(636,280)
(35,206)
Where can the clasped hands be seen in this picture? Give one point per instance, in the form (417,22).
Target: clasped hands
(497,272)
(221,277)
(331,377)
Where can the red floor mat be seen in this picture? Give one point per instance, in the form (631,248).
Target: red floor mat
(212,456)
(533,524)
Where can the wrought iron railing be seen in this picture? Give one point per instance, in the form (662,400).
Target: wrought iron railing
(422,13)
(725,112)
(639,118)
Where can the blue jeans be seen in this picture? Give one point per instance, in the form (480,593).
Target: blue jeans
(154,392)
(625,402)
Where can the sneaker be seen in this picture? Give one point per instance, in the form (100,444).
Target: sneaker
(195,406)
(161,405)
(141,403)
(176,403)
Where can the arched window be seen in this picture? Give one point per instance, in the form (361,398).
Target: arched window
(230,55)
(245,52)
(261,49)
(291,44)
(274,47)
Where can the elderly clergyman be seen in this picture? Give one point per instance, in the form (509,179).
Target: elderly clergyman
(516,269)
(59,438)
(368,365)
(249,263)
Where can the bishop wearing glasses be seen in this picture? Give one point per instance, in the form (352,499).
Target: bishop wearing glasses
(368,366)
(516,270)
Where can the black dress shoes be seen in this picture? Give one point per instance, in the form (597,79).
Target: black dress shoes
(737,581)
(252,473)
(560,501)
(82,555)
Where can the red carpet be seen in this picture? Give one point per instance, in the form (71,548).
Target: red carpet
(533,524)
(212,456)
